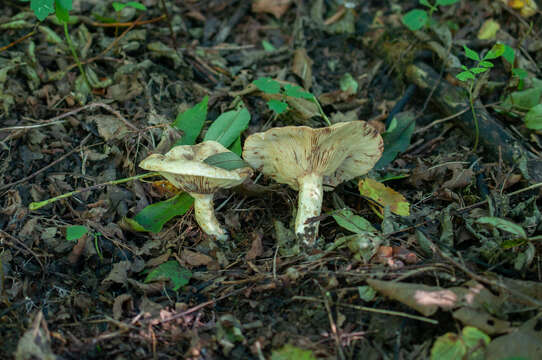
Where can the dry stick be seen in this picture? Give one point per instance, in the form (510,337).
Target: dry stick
(368,309)
(4,48)
(484,280)
(200,306)
(332,324)
(74,150)
(24,246)
(127,24)
(166,14)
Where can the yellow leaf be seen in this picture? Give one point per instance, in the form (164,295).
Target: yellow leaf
(488,30)
(384,196)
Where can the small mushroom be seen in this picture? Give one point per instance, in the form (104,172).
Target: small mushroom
(312,160)
(184,167)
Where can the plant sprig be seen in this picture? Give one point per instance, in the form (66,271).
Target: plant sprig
(418,18)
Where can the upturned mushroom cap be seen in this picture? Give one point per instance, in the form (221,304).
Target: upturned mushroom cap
(183,166)
(339,152)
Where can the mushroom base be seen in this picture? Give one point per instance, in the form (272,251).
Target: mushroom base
(204,212)
(309,205)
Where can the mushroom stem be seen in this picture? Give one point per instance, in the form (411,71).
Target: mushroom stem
(309,205)
(204,213)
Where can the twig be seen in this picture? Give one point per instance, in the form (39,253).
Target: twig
(24,246)
(74,150)
(21,39)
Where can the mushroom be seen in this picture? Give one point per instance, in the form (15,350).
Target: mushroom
(185,167)
(312,160)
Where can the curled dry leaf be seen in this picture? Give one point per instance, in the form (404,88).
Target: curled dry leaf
(274,7)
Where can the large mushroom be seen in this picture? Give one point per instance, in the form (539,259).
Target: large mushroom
(184,167)
(311,160)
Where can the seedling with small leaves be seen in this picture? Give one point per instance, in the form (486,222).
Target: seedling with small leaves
(418,18)
(469,75)
(273,87)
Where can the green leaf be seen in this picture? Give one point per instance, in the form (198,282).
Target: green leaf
(471,54)
(508,54)
(366,293)
(290,352)
(236,147)
(524,99)
(172,271)
(226,160)
(478,70)
(75,232)
(153,217)
(473,338)
(42,8)
(465,75)
(190,122)
(448,347)
(346,219)
(496,51)
(503,225)
(62,14)
(397,137)
(119,6)
(520,73)
(66,4)
(348,83)
(277,106)
(446,2)
(267,46)
(425,3)
(486,64)
(267,85)
(533,119)
(228,126)
(415,19)
(297,92)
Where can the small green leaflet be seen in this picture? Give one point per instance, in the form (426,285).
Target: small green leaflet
(119,6)
(446,2)
(228,126)
(75,232)
(415,19)
(42,8)
(346,219)
(267,46)
(471,54)
(503,225)
(267,85)
(153,217)
(172,271)
(277,106)
(190,122)
(297,92)
(226,160)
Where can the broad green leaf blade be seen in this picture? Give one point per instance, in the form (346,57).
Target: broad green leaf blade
(228,126)
(397,137)
(448,347)
(277,106)
(236,147)
(520,73)
(267,85)
(62,14)
(66,4)
(297,92)
(75,232)
(509,54)
(471,54)
(503,225)
(487,64)
(425,3)
(172,271)
(42,8)
(446,2)
(465,75)
(153,217)
(524,99)
(119,6)
(415,19)
(190,122)
(533,119)
(226,160)
(346,219)
(290,352)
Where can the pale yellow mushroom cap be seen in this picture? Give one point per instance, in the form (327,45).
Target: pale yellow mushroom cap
(183,166)
(339,152)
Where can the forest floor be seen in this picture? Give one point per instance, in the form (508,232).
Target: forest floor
(457,275)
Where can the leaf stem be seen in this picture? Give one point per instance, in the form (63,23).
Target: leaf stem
(74,53)
(474,117)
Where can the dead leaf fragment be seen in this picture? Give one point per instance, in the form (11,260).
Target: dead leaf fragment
(482,320)
(302,67)
(36,342)
(123,300)
(384,196)
(527,8)
(256,248)
(195,258)
(525,343)
(274,7)
(119,273)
